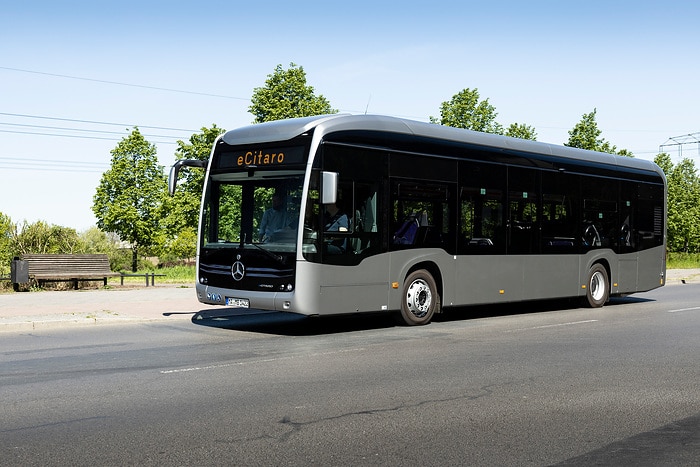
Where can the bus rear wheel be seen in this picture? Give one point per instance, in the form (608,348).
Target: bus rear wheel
(597,286)
(420,298)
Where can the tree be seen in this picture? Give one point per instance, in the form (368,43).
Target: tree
(663,160)
(6,253)
(465,110)
(683,221)
(43,238)
(180,213)
(286,95)
(586,135)
(183,210)
(130,193)
(522,131)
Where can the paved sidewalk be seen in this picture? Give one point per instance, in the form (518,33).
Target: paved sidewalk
(31,310)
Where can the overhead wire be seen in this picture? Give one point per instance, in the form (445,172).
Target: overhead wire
(118,83)
(74,129)
(92,122)
(51,165)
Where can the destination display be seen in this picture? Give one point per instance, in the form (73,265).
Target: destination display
(261,157)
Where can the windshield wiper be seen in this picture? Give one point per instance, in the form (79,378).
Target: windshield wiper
(277,258)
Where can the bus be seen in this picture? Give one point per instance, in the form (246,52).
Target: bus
(383,214)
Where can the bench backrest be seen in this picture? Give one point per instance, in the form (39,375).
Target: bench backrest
(68,264)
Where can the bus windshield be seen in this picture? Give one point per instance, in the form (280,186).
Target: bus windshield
(252,212)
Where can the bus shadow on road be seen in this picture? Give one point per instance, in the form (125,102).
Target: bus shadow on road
(290,324)
(525,308)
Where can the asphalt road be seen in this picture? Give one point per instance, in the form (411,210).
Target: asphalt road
(482,386)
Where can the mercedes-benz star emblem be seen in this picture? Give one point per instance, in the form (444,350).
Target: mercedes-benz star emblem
(238,270)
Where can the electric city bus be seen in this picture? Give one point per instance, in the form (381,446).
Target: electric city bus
(375,213)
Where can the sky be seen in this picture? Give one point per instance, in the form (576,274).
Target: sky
(77,76)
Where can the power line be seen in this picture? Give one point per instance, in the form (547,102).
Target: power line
(79,129)
(51,169)
(51,166)
(95,122)
(157,88)
(48,165)
(80,137)
(18,160)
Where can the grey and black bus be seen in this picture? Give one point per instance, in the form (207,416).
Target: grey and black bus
(382,214)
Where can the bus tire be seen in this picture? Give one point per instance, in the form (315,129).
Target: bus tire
(597,286)
(420,298)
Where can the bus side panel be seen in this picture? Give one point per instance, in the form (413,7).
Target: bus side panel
(652,269)
(488,279)
(550,276)
(342,289)
(626,280)
(514,278)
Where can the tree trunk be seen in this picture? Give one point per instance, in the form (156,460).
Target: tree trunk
(134,257)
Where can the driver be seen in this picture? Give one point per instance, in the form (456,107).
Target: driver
(274,219)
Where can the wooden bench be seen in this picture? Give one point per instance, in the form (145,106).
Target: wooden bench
(68,268)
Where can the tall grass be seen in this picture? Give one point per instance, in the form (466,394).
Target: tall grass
(173,275)
(683,261)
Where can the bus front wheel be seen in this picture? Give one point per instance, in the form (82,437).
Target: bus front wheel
(597,286)
(420,298)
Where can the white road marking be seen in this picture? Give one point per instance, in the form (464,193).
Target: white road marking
(251,362)
(683,309)
(554,325)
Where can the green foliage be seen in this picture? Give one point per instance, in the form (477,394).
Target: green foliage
(40,237)
(182,246)
(586,135)
(522,131)
(130,194)
(465,110)
(683,222)
(182,211)
(683,261)
(286,95)
(43,238)
(663,160)
(6,253)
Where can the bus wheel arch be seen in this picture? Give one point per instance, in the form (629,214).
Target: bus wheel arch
(598,285)
(421,295)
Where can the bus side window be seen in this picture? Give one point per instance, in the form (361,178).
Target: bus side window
(559,215)
(481,208)
(364,218)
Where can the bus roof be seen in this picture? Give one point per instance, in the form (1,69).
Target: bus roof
(282,130)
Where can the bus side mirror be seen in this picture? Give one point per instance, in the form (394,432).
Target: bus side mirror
(329,187)
(175,170)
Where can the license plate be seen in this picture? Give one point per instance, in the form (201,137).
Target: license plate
(238,302)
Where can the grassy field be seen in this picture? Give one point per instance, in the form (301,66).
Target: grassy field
(683,261)
(172,275)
